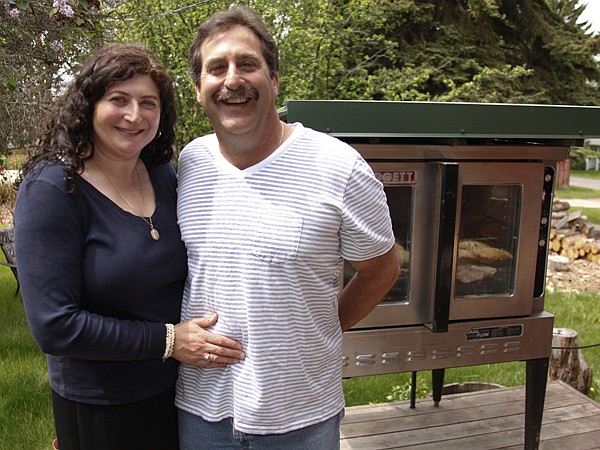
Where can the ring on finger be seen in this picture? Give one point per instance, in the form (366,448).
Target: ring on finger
(207,357)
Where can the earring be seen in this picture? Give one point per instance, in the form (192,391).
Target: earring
(158,135)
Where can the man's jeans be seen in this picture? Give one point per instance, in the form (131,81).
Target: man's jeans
(196,433)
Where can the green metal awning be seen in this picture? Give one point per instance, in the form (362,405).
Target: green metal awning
(436,120)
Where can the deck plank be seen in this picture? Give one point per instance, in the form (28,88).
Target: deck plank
(491,419)
(583,441)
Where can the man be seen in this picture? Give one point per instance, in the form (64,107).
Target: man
(267,211)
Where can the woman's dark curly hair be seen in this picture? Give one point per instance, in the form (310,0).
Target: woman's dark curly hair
(69,136)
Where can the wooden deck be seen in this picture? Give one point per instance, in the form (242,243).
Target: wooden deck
(492,419)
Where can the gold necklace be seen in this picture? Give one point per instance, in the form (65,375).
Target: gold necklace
(153,231)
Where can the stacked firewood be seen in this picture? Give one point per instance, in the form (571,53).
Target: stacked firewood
(572,234)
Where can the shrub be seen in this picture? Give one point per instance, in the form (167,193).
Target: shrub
(578,156)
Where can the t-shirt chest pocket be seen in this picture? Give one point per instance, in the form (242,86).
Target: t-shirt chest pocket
(276,236)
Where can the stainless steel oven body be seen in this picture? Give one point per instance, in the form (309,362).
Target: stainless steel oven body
(480,257)
(471,236)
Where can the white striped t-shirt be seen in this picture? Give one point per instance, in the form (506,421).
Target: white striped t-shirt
(265,248)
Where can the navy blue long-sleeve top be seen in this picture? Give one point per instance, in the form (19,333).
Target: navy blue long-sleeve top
(97,288)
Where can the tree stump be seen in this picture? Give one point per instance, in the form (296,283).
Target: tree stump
(566,363)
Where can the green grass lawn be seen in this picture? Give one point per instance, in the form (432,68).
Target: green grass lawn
(592,214)
(25,407)
(579,192)
(592,174)
(576,192)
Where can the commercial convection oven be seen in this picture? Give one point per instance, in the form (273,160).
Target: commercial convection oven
(469,187)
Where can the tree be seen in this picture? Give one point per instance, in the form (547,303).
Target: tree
(450,50)
(40,43)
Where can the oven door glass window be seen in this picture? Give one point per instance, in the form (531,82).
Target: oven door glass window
(488,240)
(400,203)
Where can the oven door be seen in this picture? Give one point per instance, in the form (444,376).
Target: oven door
(412,190)
(467,240)
(499,207)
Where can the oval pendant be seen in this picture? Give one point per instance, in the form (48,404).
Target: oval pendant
(155,234)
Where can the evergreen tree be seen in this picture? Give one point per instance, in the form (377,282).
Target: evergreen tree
(526,51)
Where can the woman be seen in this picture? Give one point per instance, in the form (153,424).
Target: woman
(101,261)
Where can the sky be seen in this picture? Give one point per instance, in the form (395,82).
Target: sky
(592,14)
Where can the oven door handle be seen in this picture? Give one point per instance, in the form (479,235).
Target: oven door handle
(448,173)
(544,237)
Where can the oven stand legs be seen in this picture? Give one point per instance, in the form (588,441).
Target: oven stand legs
(437,383)
(535,393)
(413,389)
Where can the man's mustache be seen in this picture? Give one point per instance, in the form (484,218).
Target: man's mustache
(226,94)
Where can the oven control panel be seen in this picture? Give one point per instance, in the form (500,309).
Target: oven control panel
(494,332)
